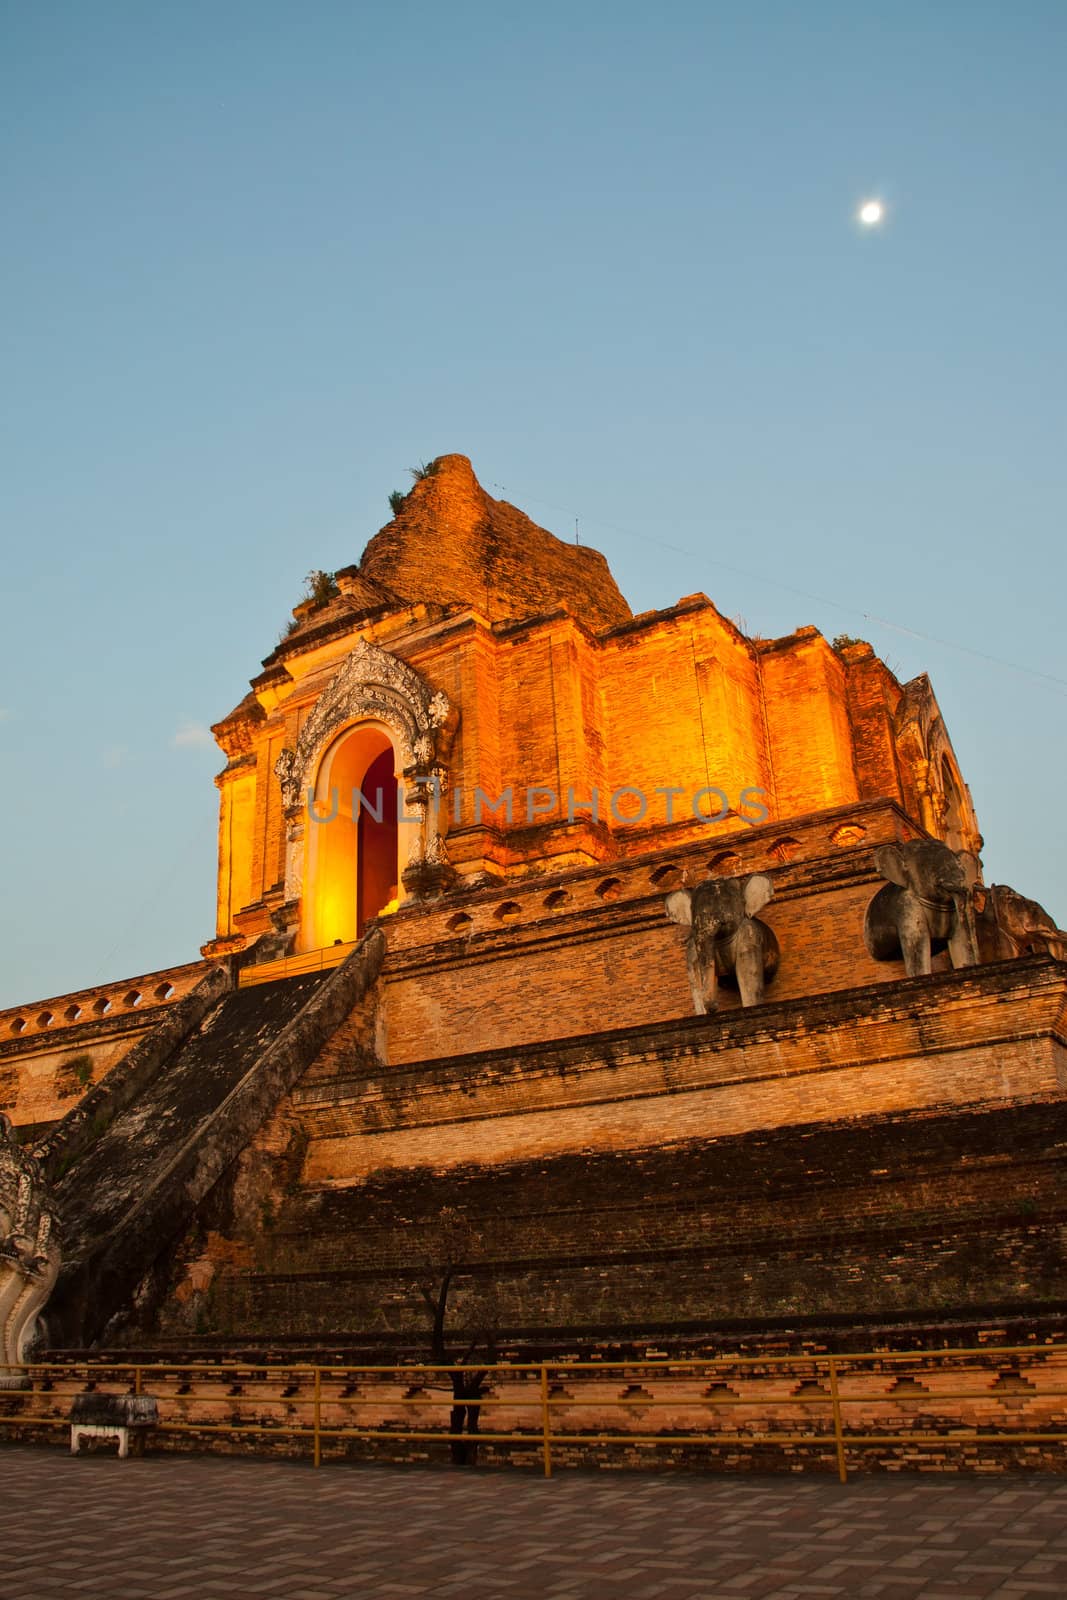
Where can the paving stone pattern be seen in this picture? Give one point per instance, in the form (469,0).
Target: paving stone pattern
(210,1527)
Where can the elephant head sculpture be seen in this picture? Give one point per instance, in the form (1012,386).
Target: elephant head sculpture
(726,938)
(1010,925)
(925,906)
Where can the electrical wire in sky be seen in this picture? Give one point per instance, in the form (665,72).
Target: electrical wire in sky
(1054,684)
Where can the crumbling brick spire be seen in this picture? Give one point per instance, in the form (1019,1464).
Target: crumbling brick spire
(453,544)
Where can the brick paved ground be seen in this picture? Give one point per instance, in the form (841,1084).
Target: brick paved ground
(213,1527)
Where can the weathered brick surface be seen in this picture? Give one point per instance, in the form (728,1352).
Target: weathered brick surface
(134,1075)
(923,1213)
(453,543)
(944,1397)
(810,735)
(471,978)
(557,686)
(963,1040)
(37,1041)
(135,1186)
(537,1016)
(873,695)
(840,1152)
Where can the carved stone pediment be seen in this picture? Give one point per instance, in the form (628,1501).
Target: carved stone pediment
(371,683)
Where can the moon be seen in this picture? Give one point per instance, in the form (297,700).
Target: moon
(871,213)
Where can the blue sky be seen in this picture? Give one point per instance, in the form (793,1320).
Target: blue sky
(260,258)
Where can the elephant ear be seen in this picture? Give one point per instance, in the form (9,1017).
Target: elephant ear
(758,890)
(679,907)
(889,859)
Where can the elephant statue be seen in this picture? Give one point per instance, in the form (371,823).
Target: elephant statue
(1009,925)
(925,906)
(726,938)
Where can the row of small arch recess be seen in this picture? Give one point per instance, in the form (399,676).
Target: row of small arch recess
(905,1387)
(664,877)
(104,1005)
(555,900)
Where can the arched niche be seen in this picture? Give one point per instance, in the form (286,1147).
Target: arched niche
(354,856)
(376,708)
(937,794)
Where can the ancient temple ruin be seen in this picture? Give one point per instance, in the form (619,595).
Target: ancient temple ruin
(639,972)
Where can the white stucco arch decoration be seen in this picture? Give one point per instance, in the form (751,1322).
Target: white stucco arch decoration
(372,685)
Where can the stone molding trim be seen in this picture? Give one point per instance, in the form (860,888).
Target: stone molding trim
(29,1245)
(101,1006)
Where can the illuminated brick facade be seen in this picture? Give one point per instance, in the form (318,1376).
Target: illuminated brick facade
(670,719)
(513,1042)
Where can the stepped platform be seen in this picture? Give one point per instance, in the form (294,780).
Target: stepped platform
(133,1162)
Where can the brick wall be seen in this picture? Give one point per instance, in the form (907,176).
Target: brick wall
(991,1035)
(919,1214)
(469,974)
(452,542)
(40,1041)
(931,1392)
(675,699)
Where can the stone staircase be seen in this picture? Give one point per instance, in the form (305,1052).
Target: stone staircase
(129,1180)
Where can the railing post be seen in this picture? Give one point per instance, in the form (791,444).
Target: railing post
(839,1439)
(137,1381)
(318,1416)
(546,1432)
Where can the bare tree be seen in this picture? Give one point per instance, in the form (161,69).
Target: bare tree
(471,1347)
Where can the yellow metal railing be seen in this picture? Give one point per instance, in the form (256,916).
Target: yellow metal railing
(292,966)
(317,1393)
